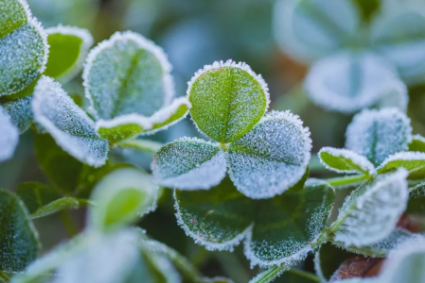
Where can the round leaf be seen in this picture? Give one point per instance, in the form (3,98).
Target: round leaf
(69,47)
(345,161)
(378,134)
(347,82)
(227,99)
(189,164)
(311,29)
(272,157)
(70,126)
(121,197)
(127,74)
(23,47)
(18,238)
(9,137)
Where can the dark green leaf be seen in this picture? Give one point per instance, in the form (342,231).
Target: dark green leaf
(328,259)
(416,204)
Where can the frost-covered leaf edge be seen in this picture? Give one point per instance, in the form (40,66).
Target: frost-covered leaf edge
(358,159)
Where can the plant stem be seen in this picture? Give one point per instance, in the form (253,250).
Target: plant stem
(69,223)
(4,276)
(346,181)
(141,145)
(305,274)
(270,274)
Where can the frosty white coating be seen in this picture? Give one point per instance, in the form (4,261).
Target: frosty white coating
(363,164)
(9,136)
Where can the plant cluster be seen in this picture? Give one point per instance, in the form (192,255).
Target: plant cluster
(247,181)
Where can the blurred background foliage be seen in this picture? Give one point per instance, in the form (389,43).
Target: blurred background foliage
(193,33)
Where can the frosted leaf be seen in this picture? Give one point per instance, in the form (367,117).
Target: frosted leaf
(20,112)
(23,47)
(116,253)
(19,243)
(276,231)
(69,47)
(371,212)
(217,219)
(70,126)
(9,137)
(383,247)
(120,198)
(411,161)
(345,161)
(328,259)
(160,268)
(311,29)
(378,134)
(228,99)
(348,81)
(189,164)
(417,143)
(416,204)
(269,275)
(127,74)
(286,225)
(399,36)
(272,157)
(395,95)
(405,264)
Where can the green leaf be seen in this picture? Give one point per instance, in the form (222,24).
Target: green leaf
(417,143)
(189,164)
(276,231)
(398,34)
(377,134)
(345,161)
(71,127)
(297,276)
(328,259)
(271,158)
(9,137)
(228,100)
(20,112)
(120,198)
(127,74)
(310,29)
(416,204)
(69,47)
(411,161)
(18,238)
(43,200)
(23,47)
(371,212)
(140,145)
(61,169)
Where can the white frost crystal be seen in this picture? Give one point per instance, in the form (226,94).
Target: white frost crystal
(353,162)
(378,134)
(9,136)
(70,126)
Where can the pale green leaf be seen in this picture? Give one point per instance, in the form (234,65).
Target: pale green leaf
(23,47)
(272,157)
(140,145)
(69,47)
(189,164)
(71,127)
(19,244)
(120,198)
(411,161)
(311,29)
(371,212)
(377,134)
(227,99)
(20,112)
(345,161)
(417,143)
(9,137)
(127,74)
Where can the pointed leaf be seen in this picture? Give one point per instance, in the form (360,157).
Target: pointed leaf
(189,164)
(411,161)
(345,161)
(120,198)
(272,157)
(227,99)
(18,238)
(43,200)
(23,47)
(20,112)
(348,82)
(310,29)
(378,134)
(127,74)
(416,204)
(371,212)
(71,128)
(9,137)
(69,47)
(417,143)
